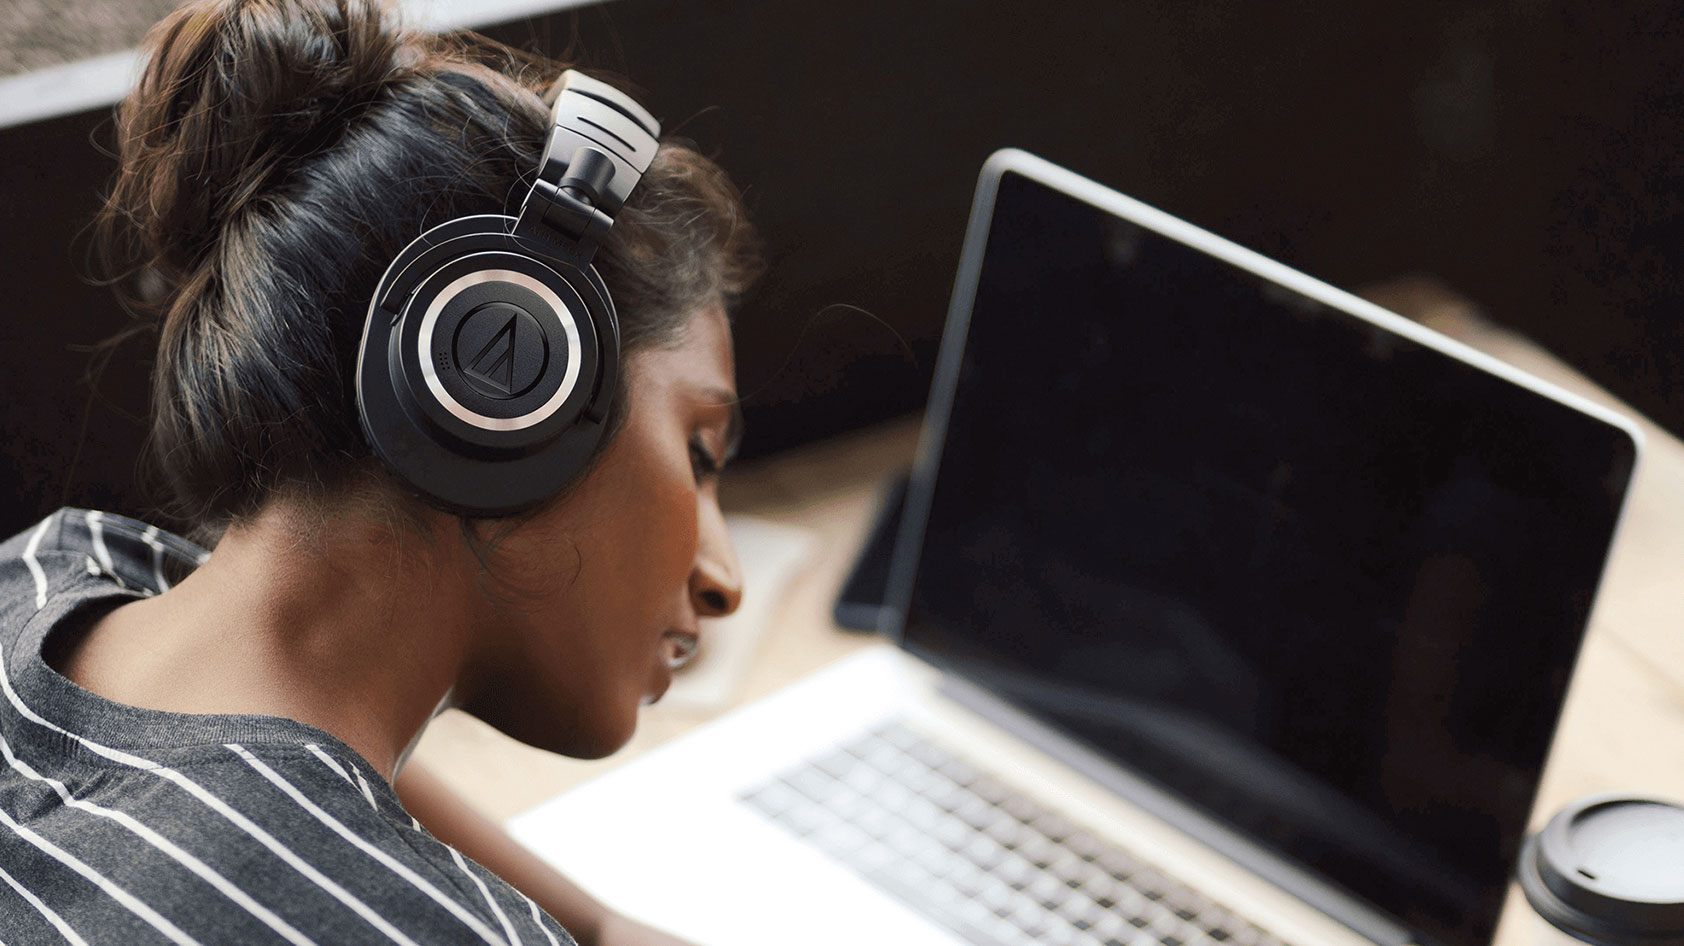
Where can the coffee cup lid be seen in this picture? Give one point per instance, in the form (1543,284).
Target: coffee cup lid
(1609,869)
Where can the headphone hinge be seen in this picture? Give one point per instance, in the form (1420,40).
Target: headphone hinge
(557,214)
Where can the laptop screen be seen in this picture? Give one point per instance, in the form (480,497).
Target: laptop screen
(1315,578)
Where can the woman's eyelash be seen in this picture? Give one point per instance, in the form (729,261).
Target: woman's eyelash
(704,462)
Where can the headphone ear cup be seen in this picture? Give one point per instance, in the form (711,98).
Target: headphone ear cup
(491,351)
(491,387)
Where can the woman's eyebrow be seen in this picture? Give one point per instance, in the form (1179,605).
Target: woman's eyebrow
(733,427)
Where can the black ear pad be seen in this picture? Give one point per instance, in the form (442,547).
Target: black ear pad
(487,368)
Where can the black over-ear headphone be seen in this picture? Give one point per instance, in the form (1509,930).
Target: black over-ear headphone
(491,351)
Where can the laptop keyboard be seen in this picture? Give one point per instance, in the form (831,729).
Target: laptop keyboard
(960,846)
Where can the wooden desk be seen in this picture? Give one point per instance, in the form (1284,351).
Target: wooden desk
(1623,728)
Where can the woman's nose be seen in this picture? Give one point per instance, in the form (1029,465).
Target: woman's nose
(716,581)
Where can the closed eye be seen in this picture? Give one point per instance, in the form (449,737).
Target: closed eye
(703,462)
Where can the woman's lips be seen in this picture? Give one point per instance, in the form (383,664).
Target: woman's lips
(679,647)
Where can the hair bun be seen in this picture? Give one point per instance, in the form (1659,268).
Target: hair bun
(234,94)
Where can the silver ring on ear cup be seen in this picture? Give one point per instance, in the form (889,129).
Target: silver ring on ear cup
(548,350)
(429,371)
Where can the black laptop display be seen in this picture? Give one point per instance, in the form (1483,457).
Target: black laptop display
(1320,579)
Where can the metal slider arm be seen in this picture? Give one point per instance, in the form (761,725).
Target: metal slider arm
(600,144)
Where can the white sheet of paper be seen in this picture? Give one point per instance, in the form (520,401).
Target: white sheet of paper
(770,555)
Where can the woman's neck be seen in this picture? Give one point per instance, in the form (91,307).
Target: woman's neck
(355,626)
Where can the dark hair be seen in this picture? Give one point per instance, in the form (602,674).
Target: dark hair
(275,156)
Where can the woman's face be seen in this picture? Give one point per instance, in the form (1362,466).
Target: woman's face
(603,591)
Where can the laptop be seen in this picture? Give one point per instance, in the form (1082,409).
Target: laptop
(1227,608)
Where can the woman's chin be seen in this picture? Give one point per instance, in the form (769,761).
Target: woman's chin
(590,735)
(660,682)
(600,742)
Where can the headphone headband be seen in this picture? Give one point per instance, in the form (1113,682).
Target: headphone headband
(599,145)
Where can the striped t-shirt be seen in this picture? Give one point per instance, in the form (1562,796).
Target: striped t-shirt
(130,826)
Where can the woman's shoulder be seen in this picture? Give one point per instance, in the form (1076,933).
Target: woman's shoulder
(201,828)
(256,842)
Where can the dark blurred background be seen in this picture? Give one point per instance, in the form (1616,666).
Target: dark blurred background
(1525,153)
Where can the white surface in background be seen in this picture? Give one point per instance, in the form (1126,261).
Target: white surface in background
(769,554)
(104,80)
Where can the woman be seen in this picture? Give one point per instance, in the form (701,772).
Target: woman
(203,747)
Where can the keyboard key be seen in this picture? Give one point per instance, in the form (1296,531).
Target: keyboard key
(1085,845)
(1036,849)
(948,796)
(1054,825)
(1061,935)
(1118,864)
(1005,832)
(1021,808)
(1015,871)
(871,857)
(1108,925)
(923,813)
(967,878)
(1047,889)
(991,789)
(1132,903)
(840,838)
(930,754)
(921,781)
(1073,906)
(875,821)
(837,764)
(960,771)
(952,833)
(813,784)
(979,814)
(886,758)
(866,781)
(998,897)
(1026,914)
(1068,868)
(771,800)
(939,861)
(984,852)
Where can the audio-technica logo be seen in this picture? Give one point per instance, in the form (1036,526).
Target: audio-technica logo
(502,350)
(495,363)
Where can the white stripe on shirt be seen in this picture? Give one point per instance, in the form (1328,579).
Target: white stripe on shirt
(29,550)
(539,920)
(395,866)
(328,761)
(219,806)
(96,527)
(99,880)
(150,537)
(333,764)
(368,793)
(64,930)
(508,928)
(152,837)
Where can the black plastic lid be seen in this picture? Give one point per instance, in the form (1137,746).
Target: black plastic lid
(1609,869)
